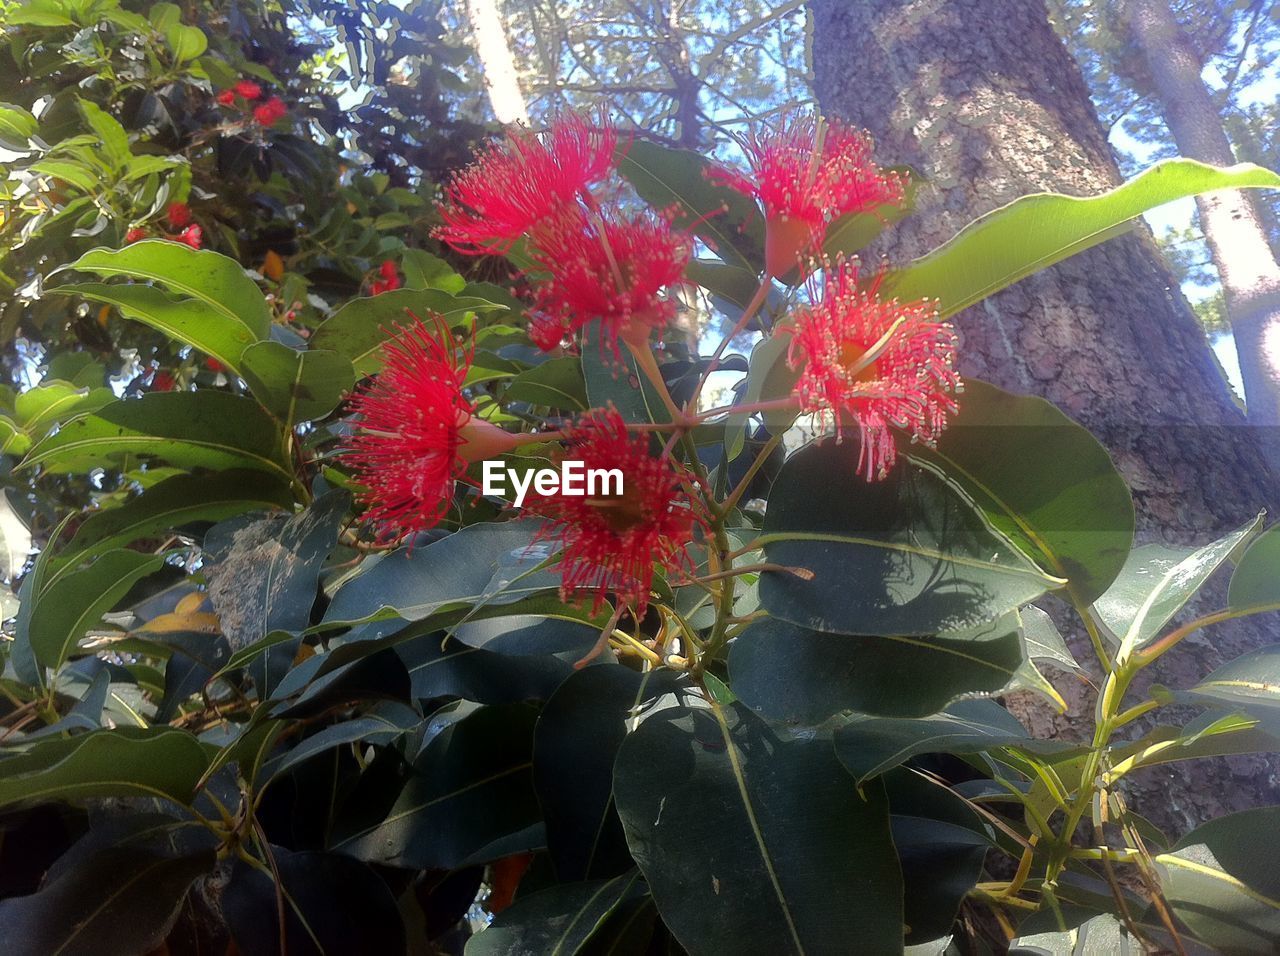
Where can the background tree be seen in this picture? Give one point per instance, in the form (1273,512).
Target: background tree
(995,108)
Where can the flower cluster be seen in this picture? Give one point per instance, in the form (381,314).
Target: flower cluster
(806,173)
(610,544)
(873,363)
(245,94)
(592,261)
(178,216)
(866,362)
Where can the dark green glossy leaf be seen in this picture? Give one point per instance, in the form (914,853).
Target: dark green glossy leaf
(297,385)
(557,383)
(1250,684)
(869,746)
(560,919)
(727,221)
(577,738)
(334,904)
(788,858)
(491,563)
(1033,232)
(471,787)
(118,902)
(123,762)
(383,723)
(1157,581)
(1042,480)
(173,503)
(358,329)
(1255,583)
(204,429)
(796,675)
(68,607)
(1221,880)
(906,555)
(263,575)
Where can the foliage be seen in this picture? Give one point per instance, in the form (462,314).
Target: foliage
(232,715)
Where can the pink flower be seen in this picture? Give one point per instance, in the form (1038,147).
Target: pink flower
(523,180)
(874,363)
(178,214)
(607,267)
(807,173)
(226,98)
(248,89)
(612,543)
(135,234)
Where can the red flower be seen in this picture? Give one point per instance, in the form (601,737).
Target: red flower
(162,381)
(416,432)
(906,383)
(248,89)
(390,279)
(522,181)
(192,236)
(807,173)
(613,269)
(549,333)
(213,365)
(270,112)
(135,234)
(226,98)
(178,214)
(611,542)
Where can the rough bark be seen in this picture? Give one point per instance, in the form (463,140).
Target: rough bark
(1246,265)
(990,106)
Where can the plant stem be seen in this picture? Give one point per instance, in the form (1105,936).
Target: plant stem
(757,300)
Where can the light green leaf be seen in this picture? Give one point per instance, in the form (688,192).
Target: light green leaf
(113,141)
(1033,232)
(297,385)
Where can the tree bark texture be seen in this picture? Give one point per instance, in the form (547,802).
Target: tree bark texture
(1246,265)
(986,102)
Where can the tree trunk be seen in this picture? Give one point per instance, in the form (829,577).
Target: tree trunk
(498,63)
(989,106)
(1246,265)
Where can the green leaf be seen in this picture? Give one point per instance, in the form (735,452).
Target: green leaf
(121,899)
(17,126)
(186,320)
(727,221)
(906,555)
(422,270)
(68,607)
(481,563)
(1250,683)
(113,141)
(204,429)
(853,233)
(385,722)
(471,787)
(211,279)
(359,328)
(574,748)
(297,385)
(186,42)
(1033,232)
(1041,480)
(123,762)
(1221,880)
(39,409)
(769,376)
(1156,582)
(869,746)
(172,503)
(1255,583)
(557,383)
(796,675)
(560,919)
(1101,934)
(615,380)
(1043,641)
(751,841)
